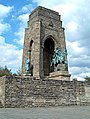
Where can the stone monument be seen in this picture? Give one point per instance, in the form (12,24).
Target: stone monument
(44,59)
(44,52)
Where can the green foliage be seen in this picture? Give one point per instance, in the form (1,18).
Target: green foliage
(87,79)
(5,71)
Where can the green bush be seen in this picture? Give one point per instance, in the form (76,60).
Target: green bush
(5,71)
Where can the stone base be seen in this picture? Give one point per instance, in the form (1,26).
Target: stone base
(60,75)
(26,92)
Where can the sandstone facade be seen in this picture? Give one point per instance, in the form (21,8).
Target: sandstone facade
(44,33)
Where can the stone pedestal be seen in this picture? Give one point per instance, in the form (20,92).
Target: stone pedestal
(26,92)
(60,75)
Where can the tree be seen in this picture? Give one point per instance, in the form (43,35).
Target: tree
(5,71)
(87,79)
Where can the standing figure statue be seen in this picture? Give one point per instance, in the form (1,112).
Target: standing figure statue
(27,66)
(59,58)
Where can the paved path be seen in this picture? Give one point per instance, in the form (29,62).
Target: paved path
(77,112)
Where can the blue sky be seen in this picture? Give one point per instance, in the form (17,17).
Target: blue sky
(75,15)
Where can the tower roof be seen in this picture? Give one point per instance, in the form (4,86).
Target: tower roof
(40,8)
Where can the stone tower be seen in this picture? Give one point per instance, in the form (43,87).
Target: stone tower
(44,39)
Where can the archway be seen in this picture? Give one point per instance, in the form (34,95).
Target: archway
(48,52)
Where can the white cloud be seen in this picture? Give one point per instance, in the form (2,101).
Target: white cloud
(4,11)
(8,51)
(65,9)
(79,71)
(10,55)
(4,27)
(80,79)
(27,8)
(24,18)
(74,48)
(49,3)
(20,33)
(72,26)
(2,40)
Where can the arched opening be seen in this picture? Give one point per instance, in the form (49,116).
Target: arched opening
(48,52)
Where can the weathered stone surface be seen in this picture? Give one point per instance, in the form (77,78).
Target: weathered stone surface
(46,31)
(60,75)
(30,92)
(46,88)
(2,91)
(86,99)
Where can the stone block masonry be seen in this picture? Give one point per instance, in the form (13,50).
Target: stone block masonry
(2,91)
(43,35)
(21,92)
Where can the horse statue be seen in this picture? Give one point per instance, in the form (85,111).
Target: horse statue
(59,58)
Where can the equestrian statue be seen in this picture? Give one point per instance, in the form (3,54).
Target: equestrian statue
(58,59)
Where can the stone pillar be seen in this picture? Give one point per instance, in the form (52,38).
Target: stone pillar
(41,62)
(36,64)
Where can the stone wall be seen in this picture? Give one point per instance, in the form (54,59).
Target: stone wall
(30,92)
(2,91)
(87,94)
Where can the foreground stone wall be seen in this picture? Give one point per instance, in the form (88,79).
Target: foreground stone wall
(87,94)
(2,91)
(30,92)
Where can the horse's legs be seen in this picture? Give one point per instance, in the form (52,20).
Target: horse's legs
(60,66)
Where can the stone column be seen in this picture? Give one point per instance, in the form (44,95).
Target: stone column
(36,64)
(41,63)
